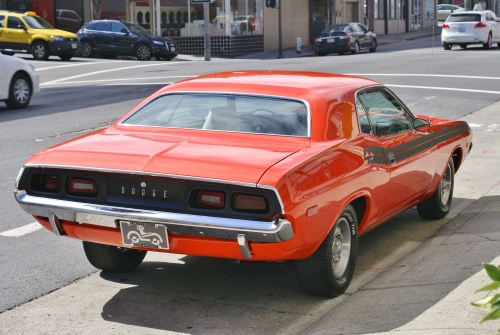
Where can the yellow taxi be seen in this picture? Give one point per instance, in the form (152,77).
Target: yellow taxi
(29,33)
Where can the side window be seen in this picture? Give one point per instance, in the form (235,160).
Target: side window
(363,28)
(385,113)
(102,26)
(117,27)
(364,122)
(2,18)
(355,27)
(13,23)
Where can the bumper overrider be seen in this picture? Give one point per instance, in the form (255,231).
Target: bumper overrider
(243,231)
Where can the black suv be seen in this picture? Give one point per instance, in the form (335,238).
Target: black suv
(111,38)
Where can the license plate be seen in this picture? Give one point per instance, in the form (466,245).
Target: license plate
(144,234)
(73,45)
(461,29)
(172,48)
(330,40)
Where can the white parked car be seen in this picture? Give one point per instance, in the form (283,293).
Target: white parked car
(444,10)
(18,81)
(472,27)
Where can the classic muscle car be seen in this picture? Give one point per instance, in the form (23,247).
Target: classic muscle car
(250,165)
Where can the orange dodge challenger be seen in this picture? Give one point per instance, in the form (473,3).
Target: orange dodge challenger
(250,165)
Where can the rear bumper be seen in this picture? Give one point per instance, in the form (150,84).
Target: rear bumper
(452,38)
(278,230)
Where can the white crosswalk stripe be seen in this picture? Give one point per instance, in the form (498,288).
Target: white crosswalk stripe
(23,230)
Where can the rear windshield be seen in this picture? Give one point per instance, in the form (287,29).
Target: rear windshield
(224,112)
(464,18)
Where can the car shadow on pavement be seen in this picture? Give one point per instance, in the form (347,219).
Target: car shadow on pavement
(405,267)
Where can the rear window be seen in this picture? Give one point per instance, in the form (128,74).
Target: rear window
(224,112)
(464,18)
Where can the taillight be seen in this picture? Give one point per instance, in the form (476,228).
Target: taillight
(318,39)
(445,26)
(50,183)
(480,25)
(345,37)
(211,198)
(82,186)
(248,202)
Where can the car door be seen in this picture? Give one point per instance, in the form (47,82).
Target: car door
(367,38)
(16,36)
(410,155)
(101,36)
(4,84)
(495,27)
(3,42)
(122,40)
(358,34)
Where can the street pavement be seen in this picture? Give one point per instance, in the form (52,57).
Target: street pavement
(426,292)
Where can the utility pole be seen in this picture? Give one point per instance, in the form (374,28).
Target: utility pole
(280,50)
(206,22)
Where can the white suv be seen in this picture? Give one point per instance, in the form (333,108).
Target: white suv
(18,81)
(472,27)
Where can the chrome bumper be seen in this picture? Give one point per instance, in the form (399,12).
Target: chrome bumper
(195,225)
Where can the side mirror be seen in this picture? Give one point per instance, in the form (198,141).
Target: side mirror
(22,26)
(421,125)
(124,31)
(199,111)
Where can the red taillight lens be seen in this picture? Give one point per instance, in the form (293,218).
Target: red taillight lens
(445,26)
(249,202)
(480,25)
(50,183)
(82,186)
(318,39)
(345,37)
(211,198)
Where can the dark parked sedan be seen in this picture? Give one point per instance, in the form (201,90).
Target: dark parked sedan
(111,38)
(342,38)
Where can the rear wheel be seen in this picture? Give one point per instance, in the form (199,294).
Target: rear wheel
(329,270)
(488,43)
(8,53)
(356,49)
(40,50)
(446,46)
(110,258)
(439,204)
(19,92)
(374,46)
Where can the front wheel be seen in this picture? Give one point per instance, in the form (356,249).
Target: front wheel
(143,52)
(8,53)
(329,270)
(356,49)
(439,204)
(40,50)
(374,46)
(87,49)
(110,258)
(19,92)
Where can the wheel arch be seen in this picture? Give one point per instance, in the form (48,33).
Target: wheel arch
(457,158)
(24,73)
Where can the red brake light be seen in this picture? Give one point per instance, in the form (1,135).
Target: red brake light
(480,25)
(250,202)
(85,186)
(445,26)
(318,39)
(211,198)
(345,37)
(50,183)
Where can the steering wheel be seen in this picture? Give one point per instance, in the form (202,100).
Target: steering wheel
(261,110)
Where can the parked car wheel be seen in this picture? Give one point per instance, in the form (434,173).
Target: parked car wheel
(356,49)
(439,204)
(488,43)
(374,46)
(87,49)
(463,46)
(19,92)
(447,46)
(111,258)
(40,50)
(329,270)
(66,57)
(7,53)
(143,52)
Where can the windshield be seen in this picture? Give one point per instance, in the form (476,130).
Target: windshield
(339,28)
(464,18)
(36,22)
(236,113)
(136,29)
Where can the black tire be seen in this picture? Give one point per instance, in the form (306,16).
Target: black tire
(498,45)
(40,50)
(488,43)
(19,92)
(356,49)
(143,52)
(329,270)
(446,46)
(87,49)
(8,53)
(463,46)
(110,258)
(439,204)
(374,45)
(66,57)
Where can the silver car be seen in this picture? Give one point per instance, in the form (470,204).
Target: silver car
(444,10)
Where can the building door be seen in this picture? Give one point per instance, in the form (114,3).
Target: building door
(321,11)
(416,17)
(45,9)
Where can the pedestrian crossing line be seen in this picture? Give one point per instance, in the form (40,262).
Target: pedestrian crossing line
(23,230)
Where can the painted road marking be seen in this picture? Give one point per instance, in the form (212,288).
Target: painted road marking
(127,79)
(444,89)
(421,75)
(23,230)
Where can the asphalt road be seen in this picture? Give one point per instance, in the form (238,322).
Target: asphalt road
(86,94)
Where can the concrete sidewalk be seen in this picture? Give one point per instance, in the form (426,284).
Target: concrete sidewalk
(308,51)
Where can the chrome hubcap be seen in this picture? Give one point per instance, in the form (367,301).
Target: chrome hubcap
(39,50)
(21,91)
(341,248)
(446,186)
(143,52)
